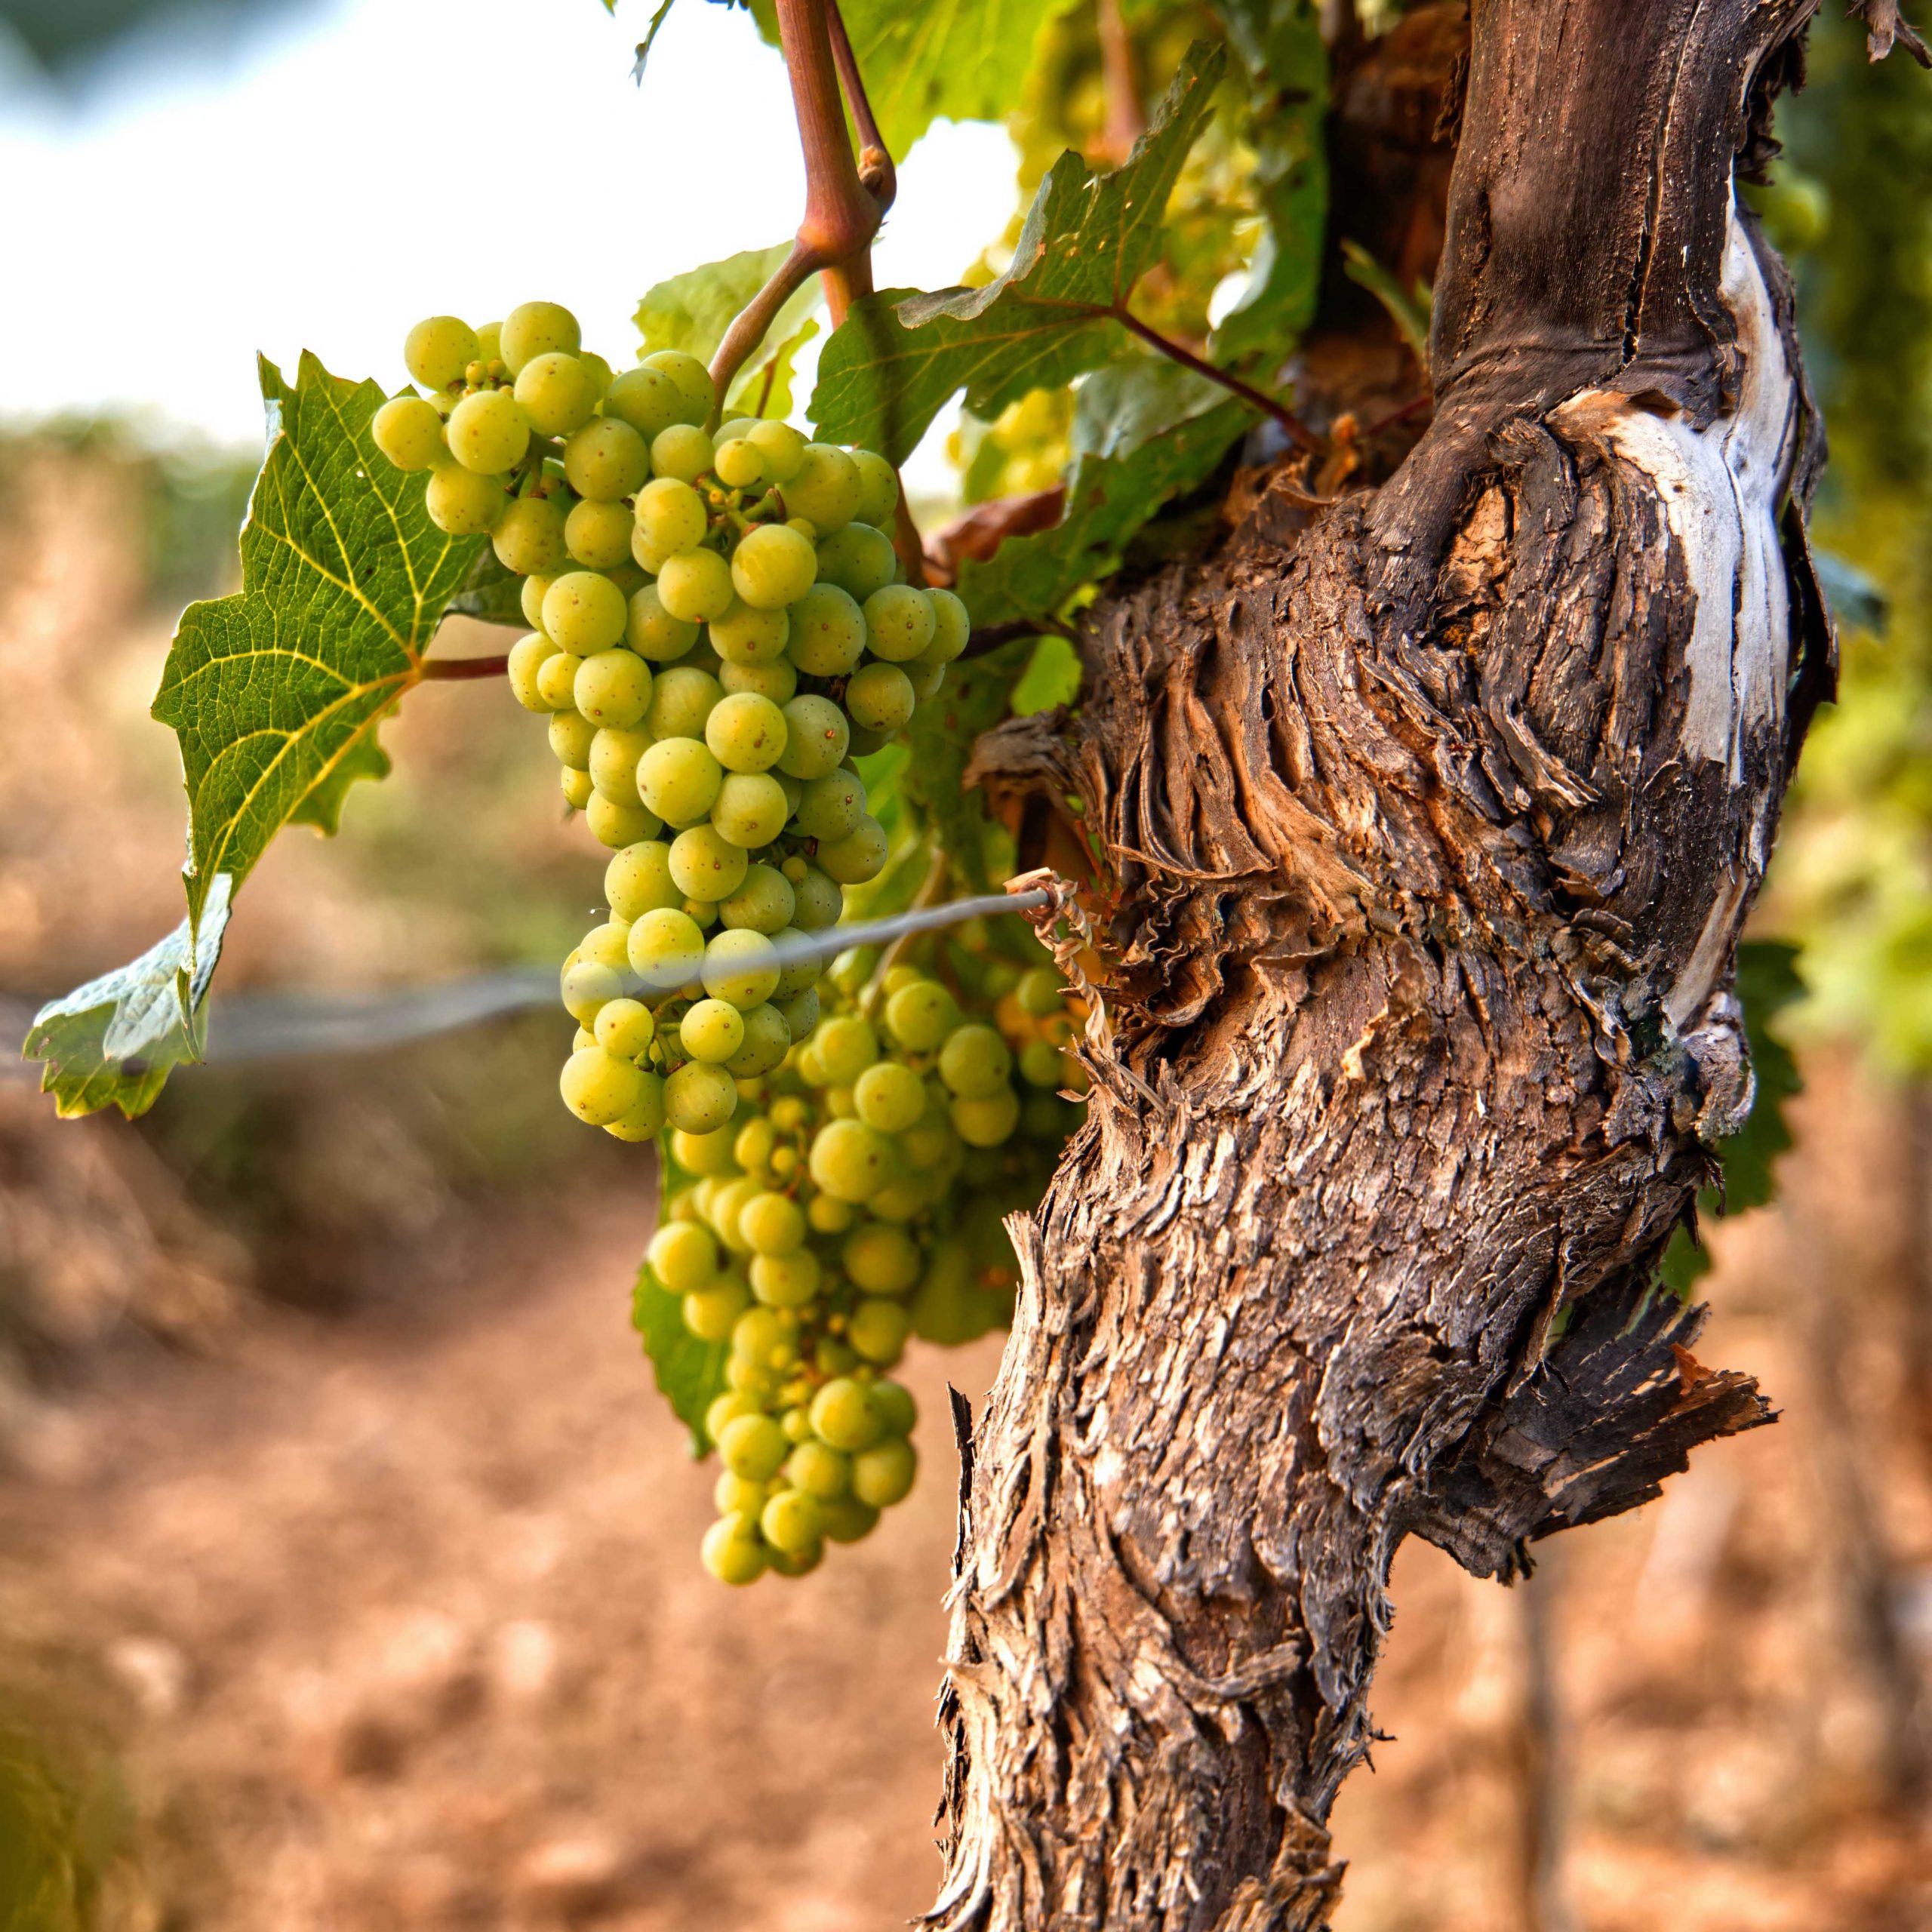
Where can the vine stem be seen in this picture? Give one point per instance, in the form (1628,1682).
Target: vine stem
(1298,432)
(451,670)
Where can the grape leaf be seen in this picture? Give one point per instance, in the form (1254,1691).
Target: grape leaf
(275,694)
(1279,42)
(491,593)
(898,357)
(691,311)
(1144,430)
(765,388)
(111,1042)
(690,1373)
(951,60)
(973,699)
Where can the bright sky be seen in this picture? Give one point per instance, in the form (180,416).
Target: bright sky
(376,161)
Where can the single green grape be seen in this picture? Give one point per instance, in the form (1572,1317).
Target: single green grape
(681,701)
(707,865)
(607,944)
(638,880)
(801,1013)
(797,974)
(828,1216)
(884,1474)
(740,967)
(882,1260)
(614,752)
(826,487)
(1041,1065)
(890,1096)
(461,503)
(899,623)
(690,379)
(489,342)
(858,558)
(733,1552)
(852,971)
(724,1410)
(583,612)
(951,627)
(831,807)
(598,1087)
(778,681)
(703,911)
(821,902)
(791,1522)
(570,735)
(652,631)
(532,329)
(779,446)
(597,370)
(987,1121)
(599,535)
(711,1030)
(666,951)
(846,1519)
(530,600)
(766,1335)
(732,1496)
(556,680)
(616,824)
(768,1040)
(699,1098)
(786,1281)
(670,516)
(815,736)
(764,903)
(773,1223)
(643,1119)
(613,687)
(529,536)
(587,988)
(920,1015)
(683,451)
(606,461)
(678,779)
(802,1563)
(926,675)
(577,789)
(526,659)
(818,1470)
(705,1154)
(753,1447)
(897,1411)
(625,1027)
(556,393)
(847,1046)
(737,463)
(710,1313)
(878,696)
(408,432)
(645,398)
(877,1334)
(437,351)
(773,567)
(488,432)
(843,1416)
(828,631)
(1040,992)
(745,733)
(859,857)
(849,1160)
(878,483)
(721,1201)
(975,1062)
(746,636)
(696,584)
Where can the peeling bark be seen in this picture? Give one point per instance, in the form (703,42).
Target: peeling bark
(1430,827)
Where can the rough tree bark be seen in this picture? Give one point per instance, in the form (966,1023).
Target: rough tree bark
(1428,824)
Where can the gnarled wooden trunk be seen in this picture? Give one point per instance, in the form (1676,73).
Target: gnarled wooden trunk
(1432,820)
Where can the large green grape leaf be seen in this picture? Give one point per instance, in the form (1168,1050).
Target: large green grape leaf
(1144,429)
(692,311)
(1279,42)
(275,694)
(973,699)
(898,357)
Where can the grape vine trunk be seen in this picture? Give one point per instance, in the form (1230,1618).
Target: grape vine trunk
(1428,819)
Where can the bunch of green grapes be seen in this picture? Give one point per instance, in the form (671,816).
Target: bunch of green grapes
(721,626)
(858,1203)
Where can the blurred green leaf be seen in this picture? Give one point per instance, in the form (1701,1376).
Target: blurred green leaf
(898,357)
(973,699)
(765,387)
(692,311)
(690,1373)
(1052,677)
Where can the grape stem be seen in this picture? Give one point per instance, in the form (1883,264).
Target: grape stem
(1298,433)
(449,670)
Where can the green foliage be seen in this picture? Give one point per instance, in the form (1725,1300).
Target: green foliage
(765,387)
(690,1373)
(693,311)
(60,1832)
(1767,984)
(898,357)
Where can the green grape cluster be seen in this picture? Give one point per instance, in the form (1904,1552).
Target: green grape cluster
(857,1202)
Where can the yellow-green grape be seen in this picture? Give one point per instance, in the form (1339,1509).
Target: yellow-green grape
(732,1495)
(877,1334)
(705,1154)
(879,697)
(556,680)
(899,623)
(731,1550)
(819,901)
(817,1469)
(607,944)
(488,432)
(773,567)
(831,807)
(584,612)
(852,971)
(408,432)
(598,1087)
(745,637)
(858,558)
(815,738)
(791,1522)
(796,975)
(884,1474)
(801,1012)
(844,1416)
(828,631)
(711,1030)
(681,701)
(683,451)
(684,1256)
(570,737)
(532,329)
(699,1098)
(926,674)
(768,1040)
(920,1014)
(597,370)
(710,1313)
(753,1447)
(878,483)
(752,809)
(489,342)
(826,487)
(437,351)
(846,1046)
(638,880)
(1040,992)
(890,1096)
(951,626)
(745,733)
(737,463)
(882,1260)
(617,823)
(786,1281)
(988,1122)
(643,1119)
(897,1411)
(773,1223)
(778,681)
(606,461)
(696,584)
(665,949)
(740,967)
(645,398)
(690,379)
(461,503)
(670,516)
(707,865)
(529,536)
(526,659)
(859,856)
(780,447)
(678,779)
(587,988)
(599,535)
(614,752)
(577,789)
(763,903)
(1040,1064)
(651,630)
(849,1160)
(845,1519)
(556,392)
(725,1409)
(975,1062)
(613,687)
(626,1028)
(530,597)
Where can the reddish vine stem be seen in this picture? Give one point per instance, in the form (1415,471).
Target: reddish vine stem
(1126,118)
(1298,432)
(451,670)
(875,169)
